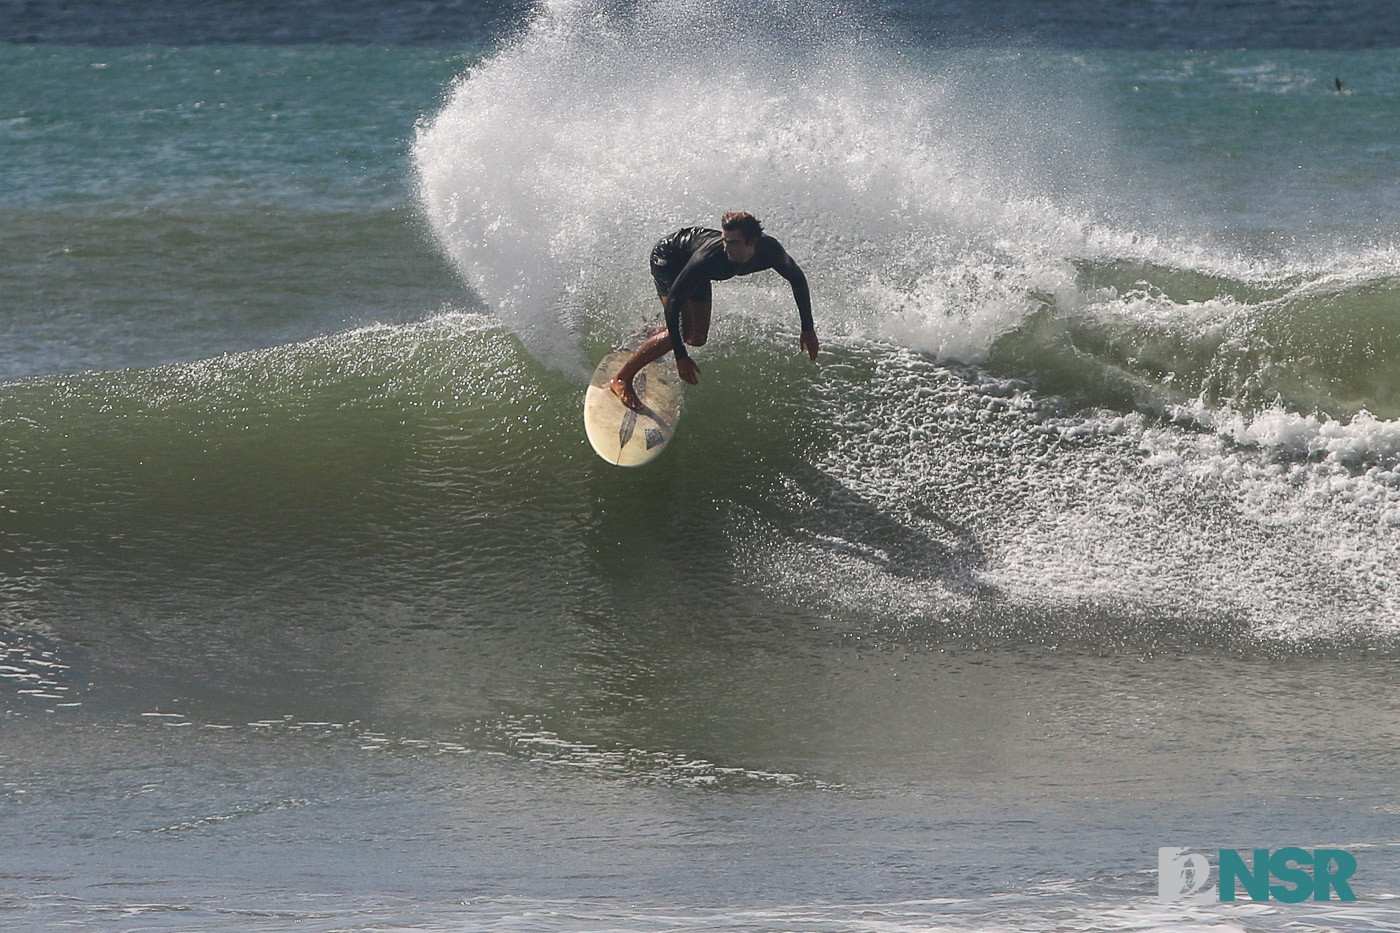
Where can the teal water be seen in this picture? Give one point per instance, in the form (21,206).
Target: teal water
(318,612)
(169,204)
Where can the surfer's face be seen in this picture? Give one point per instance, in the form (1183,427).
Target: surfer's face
(737,248)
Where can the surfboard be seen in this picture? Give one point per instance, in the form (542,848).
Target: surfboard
(621,435)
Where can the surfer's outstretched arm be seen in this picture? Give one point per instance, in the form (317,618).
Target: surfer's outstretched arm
(788,268)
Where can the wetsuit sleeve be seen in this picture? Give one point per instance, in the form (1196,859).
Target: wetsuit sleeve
(788,268)
(681,290)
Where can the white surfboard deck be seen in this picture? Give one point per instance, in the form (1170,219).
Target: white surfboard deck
(621,435)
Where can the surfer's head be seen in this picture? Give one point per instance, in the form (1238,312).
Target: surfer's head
(741,233)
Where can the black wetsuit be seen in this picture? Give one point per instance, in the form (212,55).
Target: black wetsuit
(686,262)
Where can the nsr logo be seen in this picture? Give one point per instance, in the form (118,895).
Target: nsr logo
(1181,873)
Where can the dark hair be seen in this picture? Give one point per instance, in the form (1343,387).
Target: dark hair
(747,224)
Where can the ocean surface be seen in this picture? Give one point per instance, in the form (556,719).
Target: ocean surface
(1080,540)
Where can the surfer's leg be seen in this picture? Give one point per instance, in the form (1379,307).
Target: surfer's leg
(621,383)
(695,316)
(695,322)
(653,348)
(695,330)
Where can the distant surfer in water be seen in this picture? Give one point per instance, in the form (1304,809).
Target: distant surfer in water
(683,265)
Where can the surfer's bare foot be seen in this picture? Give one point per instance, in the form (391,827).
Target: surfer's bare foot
(622,388)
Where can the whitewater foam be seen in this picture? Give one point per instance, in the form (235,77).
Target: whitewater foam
(975,506)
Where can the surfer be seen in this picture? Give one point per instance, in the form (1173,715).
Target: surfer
(683,265)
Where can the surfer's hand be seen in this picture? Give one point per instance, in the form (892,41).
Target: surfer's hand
(809,343)
(688,370)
